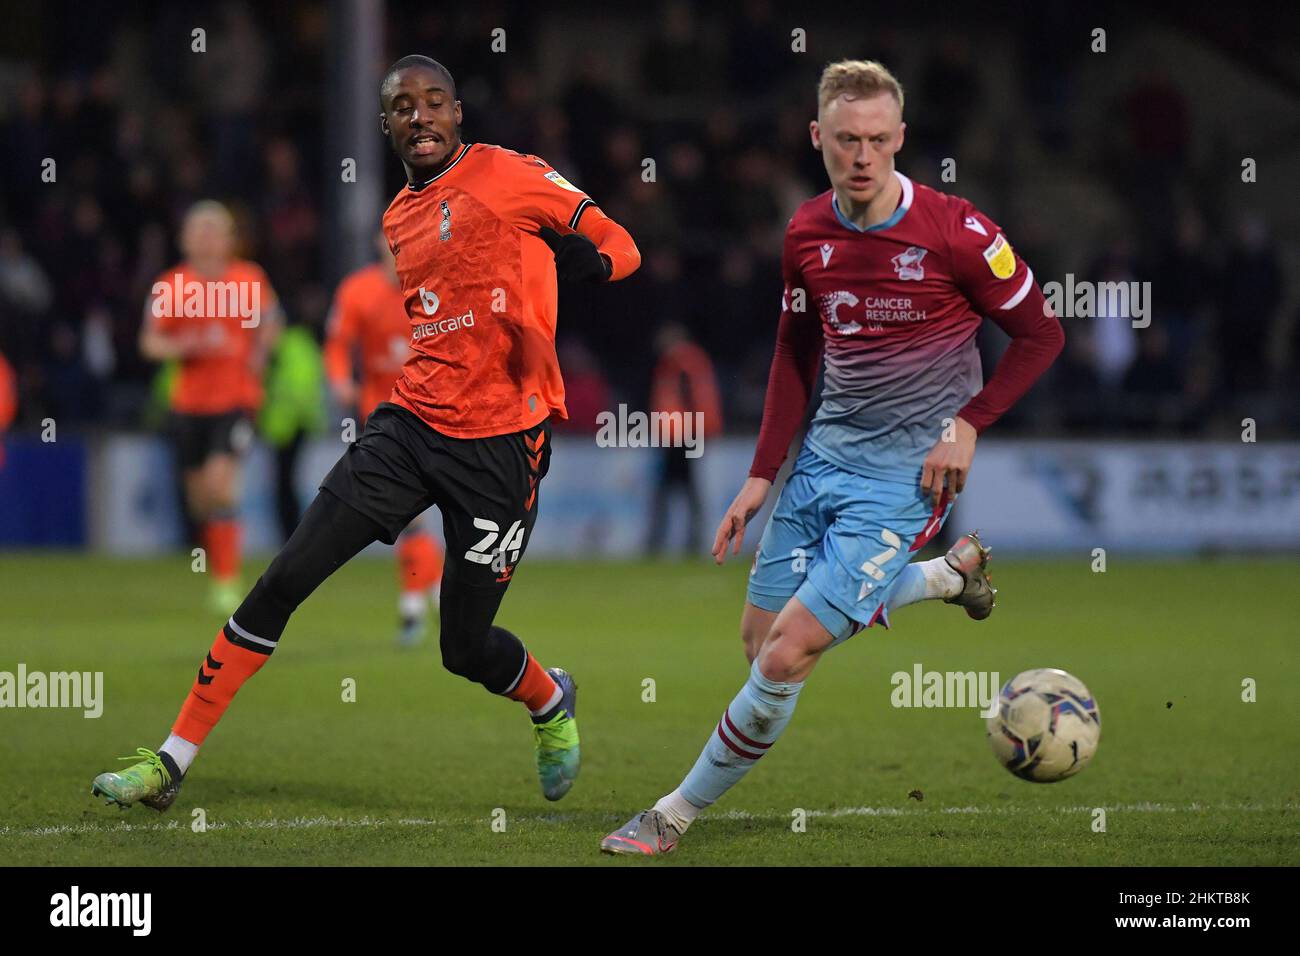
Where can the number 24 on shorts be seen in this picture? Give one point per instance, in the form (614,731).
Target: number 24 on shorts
(483,552)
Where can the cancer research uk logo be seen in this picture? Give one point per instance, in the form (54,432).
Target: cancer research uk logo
(626,429)
(211,300)
(75,908)
(78,690)
(876,311)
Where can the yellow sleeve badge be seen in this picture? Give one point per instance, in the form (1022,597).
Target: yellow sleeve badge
(1001,259)
(563,183)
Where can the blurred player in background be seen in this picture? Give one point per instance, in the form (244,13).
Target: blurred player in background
(369,332)
(889,280)
(8,401)
(683,384)
(218,316)
(480,234)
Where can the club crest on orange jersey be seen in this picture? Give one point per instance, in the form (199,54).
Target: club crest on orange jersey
(908,263)
(444,228)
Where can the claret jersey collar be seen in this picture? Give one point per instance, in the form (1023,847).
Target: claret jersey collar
(904,204)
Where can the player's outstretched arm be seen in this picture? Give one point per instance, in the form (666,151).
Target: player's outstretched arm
(790,382)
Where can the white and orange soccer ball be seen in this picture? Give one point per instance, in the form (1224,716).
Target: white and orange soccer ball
(1047,725)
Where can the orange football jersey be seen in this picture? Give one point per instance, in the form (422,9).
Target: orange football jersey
(220,378)
(8,394)
(480,291)
(368,319)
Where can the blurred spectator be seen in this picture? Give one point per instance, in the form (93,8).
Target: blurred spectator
(1114,338)
(1075,378)
(758,51)
(1251,293)
(1153,384)
(140,127)
(586,391)
(949,91)
(674,61)
(1159,133)
(685,387)
(231,77)
(1184,285)
(24,286)
(289,215)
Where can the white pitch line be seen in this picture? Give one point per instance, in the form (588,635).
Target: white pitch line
(292,823)
(341,823)
(998,811)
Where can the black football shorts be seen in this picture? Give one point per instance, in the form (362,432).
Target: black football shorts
(199,437)
(486,488)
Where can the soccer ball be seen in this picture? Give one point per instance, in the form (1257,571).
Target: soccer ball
(1046,727)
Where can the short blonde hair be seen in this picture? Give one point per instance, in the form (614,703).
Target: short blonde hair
(205,208)
(855,79)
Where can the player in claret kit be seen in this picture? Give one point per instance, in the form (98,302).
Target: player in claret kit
(888,280)
(369,331)
(479,234)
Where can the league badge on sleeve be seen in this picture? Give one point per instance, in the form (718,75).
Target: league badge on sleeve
(1001,260)
(563,183)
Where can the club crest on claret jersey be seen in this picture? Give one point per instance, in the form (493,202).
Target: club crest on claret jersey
(908,263)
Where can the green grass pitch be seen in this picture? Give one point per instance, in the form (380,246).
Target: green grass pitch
(417,769)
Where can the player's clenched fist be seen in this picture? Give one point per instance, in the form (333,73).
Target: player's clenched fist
(576,257)
(747,504)
(950,461)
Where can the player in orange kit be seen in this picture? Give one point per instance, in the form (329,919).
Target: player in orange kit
(369,330)
(480,234)
(217,315)
(8,401)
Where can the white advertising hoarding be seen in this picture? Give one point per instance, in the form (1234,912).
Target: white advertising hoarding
(1029,496)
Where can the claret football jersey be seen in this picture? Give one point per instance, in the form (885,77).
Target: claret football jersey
(899,304)
(480,291)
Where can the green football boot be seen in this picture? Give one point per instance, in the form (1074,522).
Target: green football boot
(558,756)
(153,781)
(225,597)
